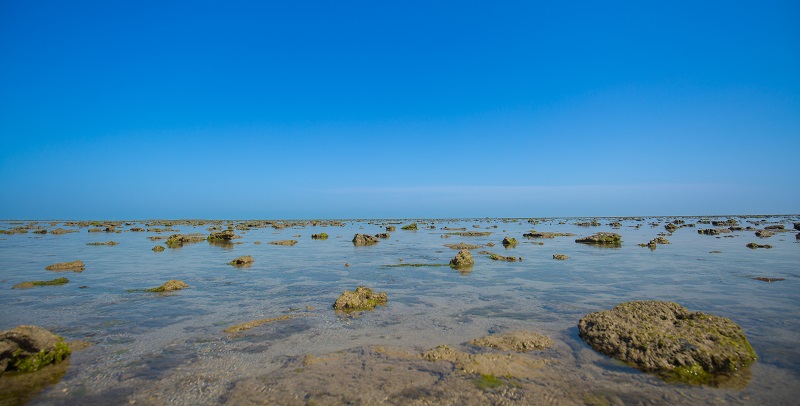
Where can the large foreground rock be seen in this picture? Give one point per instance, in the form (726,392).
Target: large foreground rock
(667,339)
(363,298)
(30,348)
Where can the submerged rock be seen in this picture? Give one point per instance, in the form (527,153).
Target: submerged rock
(30,348)
(498,257)
(763,279)
(103,243)
(75,266)
(288,243)
(255,323)
(488,364)
(601,239)
(666,339)
(241,261)
(560,257)
(33,284)
(519,341)
(753,245)
(320,236)
(545,234)
(363,298)
(462,246)
(412,226)
(390,229)
(169,286)
(364,239)
(462,260)
(382,235)
(158,248)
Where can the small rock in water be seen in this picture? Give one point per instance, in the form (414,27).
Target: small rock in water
(560,257)
(75,266)
(30,348)
(462,260)
(363,298)
(242,261)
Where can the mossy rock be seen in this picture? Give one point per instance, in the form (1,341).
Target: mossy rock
(510,242)
(75,266)
(169,286)
(412,226)
(320,236)
(33,284)
(462,260)
(611,239)
(560,257)
(666,339)
(30,348)
(363,298)
(364,239)
(246,260)
(158,248)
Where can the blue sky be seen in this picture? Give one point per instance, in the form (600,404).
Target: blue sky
(346,109)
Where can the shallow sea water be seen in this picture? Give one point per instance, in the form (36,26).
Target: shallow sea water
(151,348)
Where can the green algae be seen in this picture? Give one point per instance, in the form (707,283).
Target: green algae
(32,284)
(486,382)
(41,359)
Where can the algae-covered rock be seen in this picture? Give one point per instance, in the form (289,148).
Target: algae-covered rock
(363,298)
(498,257)
(560,257)
(224,235)
(510,242)
(495,364)
(158,248)
(178,240)
(382,235)
(364,239)
(519,341)
(169,286)
(463,246)
(412,226)
(33,284)
(75,266)
(30,348)
(753,245)
(109,243)
(545,234)
(242,261)
(764,233)
(462,260)
(287,243)
(320,236)
(601,239)
(666,339)
(390,229)
(671,227)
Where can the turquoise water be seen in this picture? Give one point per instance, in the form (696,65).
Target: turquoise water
(171,347)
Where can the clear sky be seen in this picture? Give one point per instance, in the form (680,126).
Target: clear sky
(362,109)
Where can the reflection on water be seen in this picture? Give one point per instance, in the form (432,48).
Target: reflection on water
(172,348)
